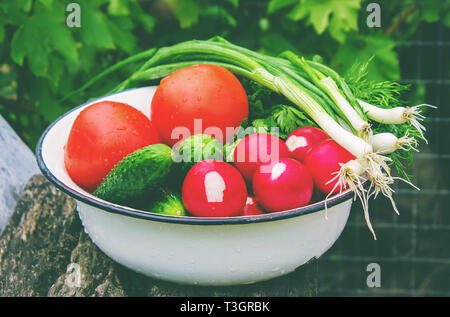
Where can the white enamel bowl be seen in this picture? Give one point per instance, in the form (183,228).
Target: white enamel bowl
(192,250)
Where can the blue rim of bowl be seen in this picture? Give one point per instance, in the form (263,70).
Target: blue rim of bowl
(131,212)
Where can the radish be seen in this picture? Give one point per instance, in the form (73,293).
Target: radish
(256,149)
(304,139)
(214,189)
(251,207)
(287,184)
(324,162)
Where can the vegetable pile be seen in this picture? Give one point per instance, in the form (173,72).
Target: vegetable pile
(249,133)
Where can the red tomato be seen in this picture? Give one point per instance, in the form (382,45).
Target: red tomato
(251,207)
(282,185)
(323,161)
(207,92)
(102,135)
(304,139)
(256,149)
(214,189)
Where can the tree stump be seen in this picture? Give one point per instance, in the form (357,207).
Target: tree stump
(45,235)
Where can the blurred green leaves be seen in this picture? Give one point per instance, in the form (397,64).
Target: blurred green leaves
(42,59)
(338,16)
(385,63)
(186,11)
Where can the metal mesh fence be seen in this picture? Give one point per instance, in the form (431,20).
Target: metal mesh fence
(411,249)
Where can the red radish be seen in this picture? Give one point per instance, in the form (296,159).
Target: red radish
(214,189)
(256,149)
(282,185)
(251,208)
(323,163)
(304,139)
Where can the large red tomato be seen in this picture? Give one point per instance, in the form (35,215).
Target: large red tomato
(102,135)
(207,92)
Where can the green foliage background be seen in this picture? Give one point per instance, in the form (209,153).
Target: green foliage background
(42,59)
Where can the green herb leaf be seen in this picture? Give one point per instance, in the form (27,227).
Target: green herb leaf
(339,16)
(381,48)
(186,11)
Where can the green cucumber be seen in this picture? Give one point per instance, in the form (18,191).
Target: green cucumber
(137,178)
(171,204)
(194,149)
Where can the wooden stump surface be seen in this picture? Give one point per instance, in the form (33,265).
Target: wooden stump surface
(45,235)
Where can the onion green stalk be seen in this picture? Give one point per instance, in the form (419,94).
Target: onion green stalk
(361,126)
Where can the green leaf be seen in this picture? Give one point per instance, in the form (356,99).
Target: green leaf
(431,10)
(186,11)
(62,40)
(24,43)
(275,5)
(344,20)
(275,43)
(338,16)
(289,118)
(94,29)
(123,38)
(220,13)
(147,21)
(119,7)
(18,46)
(47,3)
(235,3)
(43,32)
(385,63)
(446,19)
(319,17)
(55,71)
(299,12)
